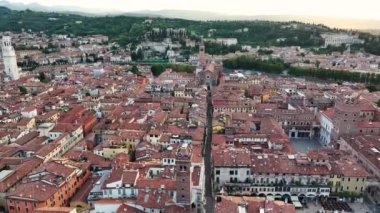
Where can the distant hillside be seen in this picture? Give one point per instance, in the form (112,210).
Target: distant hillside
(125,29)
(130,28)
(201,15)
(328,21)
(42,8)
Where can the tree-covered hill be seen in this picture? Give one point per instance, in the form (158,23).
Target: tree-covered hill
(126,29)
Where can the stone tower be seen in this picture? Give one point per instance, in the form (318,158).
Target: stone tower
(202,54)
(183,175)
(201,61)
(9,57)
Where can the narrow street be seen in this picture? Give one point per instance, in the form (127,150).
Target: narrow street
(209,205)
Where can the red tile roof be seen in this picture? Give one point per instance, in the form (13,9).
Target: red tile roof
(114,176)
(152,199)
(130,177)
(124,208)
(36,190)
(348,168)
(368,124)
(84,190)
(252,204)
(231,157)
(366,145)
(330,112)
(266,163)
(156,183)
(195,176)
(26,138)
(20,172)
(56,169)
(93,159)
(54,210)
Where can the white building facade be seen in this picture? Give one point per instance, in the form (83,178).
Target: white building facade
(339,39)
(227,41)
(326,129)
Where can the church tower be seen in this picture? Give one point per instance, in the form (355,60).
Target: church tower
(183,175)
(9,58)
(202,54)
(201,61)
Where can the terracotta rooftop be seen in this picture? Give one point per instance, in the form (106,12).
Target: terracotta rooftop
(84,190)
(252,205)
(124,208)
(368,124)
(330,112)
(26,138)
(349,168)
(231,157)
(20,172)
(156,183)
(130,177)
(37,190)
(153,199)
(368,146)
(54,210)
(195,176)
(266,163)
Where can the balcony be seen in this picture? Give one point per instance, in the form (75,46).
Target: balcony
(238,184)
(293,188)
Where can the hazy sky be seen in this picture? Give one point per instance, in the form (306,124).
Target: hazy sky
(363,9)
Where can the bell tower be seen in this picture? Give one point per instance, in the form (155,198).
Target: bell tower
(202,54)
(9,57)
(183,175)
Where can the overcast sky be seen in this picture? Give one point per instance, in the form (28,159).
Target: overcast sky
(363,9)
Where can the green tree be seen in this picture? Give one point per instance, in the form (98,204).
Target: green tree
(336,75)
(138,55)
(135,70)
(132,154)
(317,64)
(157,69)
(264,52)
(23,90)
(114,49)
(372,88)
(252,63)
(42,77)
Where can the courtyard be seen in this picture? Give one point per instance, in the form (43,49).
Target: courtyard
(305,144)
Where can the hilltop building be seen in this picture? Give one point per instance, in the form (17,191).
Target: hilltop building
(339,39)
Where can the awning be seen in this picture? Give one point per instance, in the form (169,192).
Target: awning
(294,198)
(296,202)
(298,205)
